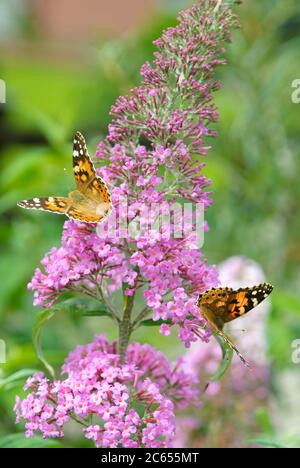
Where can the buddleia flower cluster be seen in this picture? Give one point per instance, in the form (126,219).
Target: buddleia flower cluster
(152,160)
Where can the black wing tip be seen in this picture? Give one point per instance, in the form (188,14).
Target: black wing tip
(79,144)
(22,204)
(78,136)
(266,286)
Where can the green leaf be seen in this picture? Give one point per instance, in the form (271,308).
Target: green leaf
(155,323)
(140,409)
(20,441)
(268,443)
(100,312)
(42,318)
(152,323)
(17,376)
(83,307)
(227,355)
(80,306)
(264,420)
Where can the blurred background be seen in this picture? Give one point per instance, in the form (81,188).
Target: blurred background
(64,63)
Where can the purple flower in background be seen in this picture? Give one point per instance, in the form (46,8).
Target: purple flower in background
(234,398)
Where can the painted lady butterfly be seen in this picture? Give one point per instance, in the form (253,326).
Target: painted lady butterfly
(222,305)
(90,202)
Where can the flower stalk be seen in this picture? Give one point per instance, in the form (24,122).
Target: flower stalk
(125,326)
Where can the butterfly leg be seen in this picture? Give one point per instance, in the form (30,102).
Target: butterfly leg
(233,347)
(217,325)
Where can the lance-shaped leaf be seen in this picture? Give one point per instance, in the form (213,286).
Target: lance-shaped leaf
(78,306)
(16,378)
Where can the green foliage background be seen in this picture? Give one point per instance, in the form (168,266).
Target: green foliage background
(254,167)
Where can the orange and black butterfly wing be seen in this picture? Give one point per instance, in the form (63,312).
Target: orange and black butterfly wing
(245,299)
(61,205)
(227,304)
(80,214)
(83,168)
(52,204)
(97,190)
(87,182)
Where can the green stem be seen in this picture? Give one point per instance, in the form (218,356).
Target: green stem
(125,327)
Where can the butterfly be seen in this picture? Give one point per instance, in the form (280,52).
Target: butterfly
(90,202)
(222,305)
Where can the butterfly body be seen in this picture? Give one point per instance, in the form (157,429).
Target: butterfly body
(222,305)
(85,203)
(90,202)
